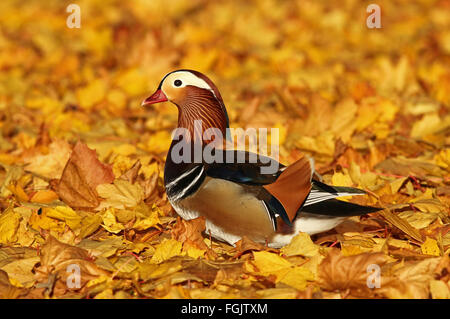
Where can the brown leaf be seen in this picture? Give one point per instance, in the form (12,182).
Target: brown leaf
(82,174)
(245,245)
(442,271)
(406,166)
(402,224)
(338,272)
(56,257)
(8,291)
(132,173)
(411,281)
(189,232)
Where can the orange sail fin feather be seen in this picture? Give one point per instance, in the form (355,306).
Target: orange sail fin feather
(292,186)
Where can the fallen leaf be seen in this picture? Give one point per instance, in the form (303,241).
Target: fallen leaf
(430,247)
(20,271)
(402,224)
(301,245)
(189,232)
(60,258)
(82,174)
(338,272)
(439,290)
(166,250)
(271,264)
(9,224)
(121,194)
(411,281)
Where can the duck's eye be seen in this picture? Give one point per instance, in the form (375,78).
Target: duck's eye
(177,83)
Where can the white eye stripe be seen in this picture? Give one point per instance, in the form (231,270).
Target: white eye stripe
(188,78)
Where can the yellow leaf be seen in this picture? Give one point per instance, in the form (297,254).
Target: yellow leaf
(104,248)
(340,179)
(195,252)
(402,224)
(148,221)
(158,142)
(122,164)
(285,272)
(45,104)
(124,149)
(443,158)
(417,219)
(301,245)
(278,293)
(18,191)
(9,223)
(66,214)
(100,279)
(297,277)
(110,223)
(120,195)
(430,247)
(44,197)
(350,250)
(439,289)
(91,94)
(89,224)
(50,165)
(133,82)
(39,220)
(151,271)
(167,249)
(429,124)
(322,144)
(19,271)
(397,184)
(270,263)
(117,98)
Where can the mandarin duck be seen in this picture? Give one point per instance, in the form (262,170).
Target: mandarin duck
(235,197)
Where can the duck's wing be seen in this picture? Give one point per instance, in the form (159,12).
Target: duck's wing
(283,189)
(245,168)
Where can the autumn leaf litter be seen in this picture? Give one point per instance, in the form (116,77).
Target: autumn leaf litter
(82,163)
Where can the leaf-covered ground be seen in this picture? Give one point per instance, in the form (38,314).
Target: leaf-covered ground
(82,162)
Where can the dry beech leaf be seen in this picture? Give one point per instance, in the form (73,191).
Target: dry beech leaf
(121,194)
(411,280)
(301,245)
(338,272)
(190,231)
(270,264)
(56,257)
(132,173)
(9,224)
(7,290)
(246,244)
(402,224)
(82,174)
(166,250)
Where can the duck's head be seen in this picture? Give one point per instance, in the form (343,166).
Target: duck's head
(196,97)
